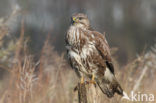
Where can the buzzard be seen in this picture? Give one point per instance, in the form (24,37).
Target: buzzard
(89,55)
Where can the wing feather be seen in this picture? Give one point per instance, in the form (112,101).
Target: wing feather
(103,49)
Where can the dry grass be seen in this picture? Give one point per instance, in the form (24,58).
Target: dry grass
(51,80)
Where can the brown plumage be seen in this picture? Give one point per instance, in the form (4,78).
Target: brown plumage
(89,55)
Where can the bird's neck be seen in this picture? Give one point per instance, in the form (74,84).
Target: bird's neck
(82,26)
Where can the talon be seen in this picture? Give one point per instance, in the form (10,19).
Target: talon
(92,82)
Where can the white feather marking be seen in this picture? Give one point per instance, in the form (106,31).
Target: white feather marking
(108,75)
(76,56)
(74,35)
(77,34)
(92,36)
(87,50)
(72,54)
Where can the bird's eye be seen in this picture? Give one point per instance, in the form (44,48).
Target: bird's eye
(80,18)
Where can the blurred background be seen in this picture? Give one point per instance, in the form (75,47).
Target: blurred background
(33,64)
(130,25)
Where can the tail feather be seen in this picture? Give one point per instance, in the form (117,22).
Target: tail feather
(119,90)
(110,88)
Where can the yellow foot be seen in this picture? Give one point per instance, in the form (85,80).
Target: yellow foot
(92,81)
(82,80)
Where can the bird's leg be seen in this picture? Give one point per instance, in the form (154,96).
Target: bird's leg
(82,80)
(93,79)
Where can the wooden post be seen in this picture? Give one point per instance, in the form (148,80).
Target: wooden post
(82,94)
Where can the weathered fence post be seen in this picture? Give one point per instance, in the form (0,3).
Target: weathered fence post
(82,93)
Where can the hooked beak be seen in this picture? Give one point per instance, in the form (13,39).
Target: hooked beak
(73,20)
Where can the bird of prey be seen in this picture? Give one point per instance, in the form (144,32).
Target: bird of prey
(89,55)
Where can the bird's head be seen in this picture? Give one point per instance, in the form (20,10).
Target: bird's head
(80,20)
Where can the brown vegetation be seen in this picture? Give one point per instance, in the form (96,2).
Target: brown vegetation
(51,79)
